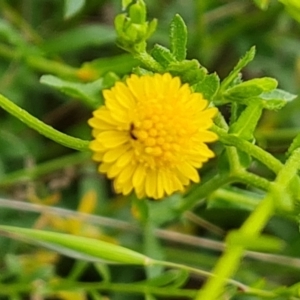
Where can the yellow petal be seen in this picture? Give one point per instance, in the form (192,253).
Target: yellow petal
(207,136)
(96,146)
(111,139)
(150,184)
(124,96)
(166,182)
(135,87)
(126,174)
(104,115)
(100,124)
(139,176)
(188,171)
(113,171)
(97,156)
(125,158)
(114,153)
(209,113)
(160,186)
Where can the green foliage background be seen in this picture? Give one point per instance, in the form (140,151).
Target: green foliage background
(55,59)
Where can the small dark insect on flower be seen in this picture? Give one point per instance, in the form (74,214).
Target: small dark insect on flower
(131,132)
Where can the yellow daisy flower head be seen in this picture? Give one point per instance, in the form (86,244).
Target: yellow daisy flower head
(151,135)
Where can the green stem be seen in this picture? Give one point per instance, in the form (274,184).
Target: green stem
(203,190)
(233,159)
(42,128)
(266,158)
(78,269)
(225,267)
(220,122)
(229,262)
(246,289)
(251,179)
(235,198)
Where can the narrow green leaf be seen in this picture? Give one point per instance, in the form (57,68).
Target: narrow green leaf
(162,55)
(178,38)
(247,122)
(72,7)
(208,86)
(276,99)
(237,69)
(151,28)
(89,93)
(251,88)
(90,248)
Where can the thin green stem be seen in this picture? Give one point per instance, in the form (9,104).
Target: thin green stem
(203,190)
(259,217)
(226,266)
(252,179)
(244,288)
(218,181)
(266,158)
(42,128)
(235,198)
(290,169)
(77,270)
(220,122)
(229,262)
(233,159)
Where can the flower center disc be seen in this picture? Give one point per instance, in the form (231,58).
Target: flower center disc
(160,132)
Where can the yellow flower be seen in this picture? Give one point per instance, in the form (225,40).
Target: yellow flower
(151,135)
